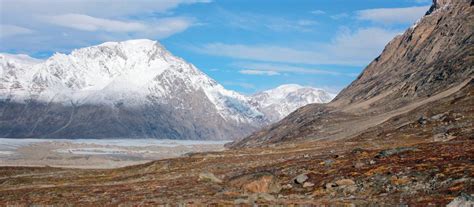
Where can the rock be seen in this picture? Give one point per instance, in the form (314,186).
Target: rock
(209,177)
(464,200)
(328,162)
(330,186)
(357,150)
(349,189)
(262,182)
(438,117)
(300,179)
(359,165)
(398,150)
(372,162)
(345,182)
(308,184)
(287,186)
(422,121)
(442,137)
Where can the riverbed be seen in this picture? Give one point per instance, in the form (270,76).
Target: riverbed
(96,153)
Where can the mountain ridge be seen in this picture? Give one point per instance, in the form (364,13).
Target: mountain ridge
(433,57)
(125,80)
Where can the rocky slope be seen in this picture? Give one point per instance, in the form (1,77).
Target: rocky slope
(125,89)
(430,61)
(281,101)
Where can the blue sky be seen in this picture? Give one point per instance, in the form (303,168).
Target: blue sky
(246,45)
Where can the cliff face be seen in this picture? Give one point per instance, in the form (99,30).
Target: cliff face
(433,55)
(431,61)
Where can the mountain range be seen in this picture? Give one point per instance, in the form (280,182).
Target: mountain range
(401,134)
(132,89)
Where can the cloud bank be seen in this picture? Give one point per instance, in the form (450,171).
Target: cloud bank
(58,25)
(393,15)
(346,48)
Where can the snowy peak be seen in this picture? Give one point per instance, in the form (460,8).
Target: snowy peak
(167,94)
(15,71)
(17,59)
(131,72)
(93,68)
(281,101)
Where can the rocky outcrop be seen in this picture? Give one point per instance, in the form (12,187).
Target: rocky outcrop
(431,56)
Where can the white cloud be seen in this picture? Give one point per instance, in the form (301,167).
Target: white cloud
(277,69)
(393,15)
(102,8)
(60,25)
(259,52)
(257,22)
(318,12)
(168,26)
(163,27)
(347,48)
(259,72)
(13,30)
(88,23)
(362,45)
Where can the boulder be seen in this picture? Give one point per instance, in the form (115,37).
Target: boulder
(262,182)
(308,184)
(300,179)
(398,150)
(464,200)
(209,177)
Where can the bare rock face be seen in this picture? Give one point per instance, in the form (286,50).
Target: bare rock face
(429,62)
(433,55)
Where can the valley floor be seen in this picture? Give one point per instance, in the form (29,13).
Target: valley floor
(96,153)
(345,172)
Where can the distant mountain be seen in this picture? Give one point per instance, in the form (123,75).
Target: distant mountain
(281,101)
(427,71)
(127,89)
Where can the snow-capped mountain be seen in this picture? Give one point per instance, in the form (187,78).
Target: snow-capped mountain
(281,101)
(132,71)
(14,71)
(134,88)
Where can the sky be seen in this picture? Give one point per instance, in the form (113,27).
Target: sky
(246,45)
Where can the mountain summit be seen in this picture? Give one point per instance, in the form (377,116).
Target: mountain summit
(281,101)
(134,88)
